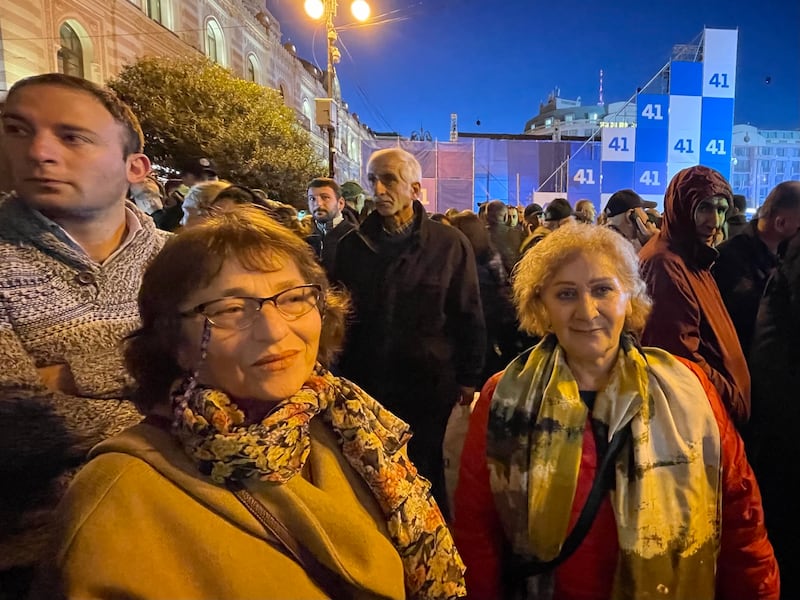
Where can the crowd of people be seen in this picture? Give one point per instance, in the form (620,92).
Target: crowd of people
(205,395)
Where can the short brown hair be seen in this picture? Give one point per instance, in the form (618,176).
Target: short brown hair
(536,269)
(190,260)
(133,141)
(321,182)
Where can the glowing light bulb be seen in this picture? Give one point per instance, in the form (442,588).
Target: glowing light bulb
(360,10)
(314,8)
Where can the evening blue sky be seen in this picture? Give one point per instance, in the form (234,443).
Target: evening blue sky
(495,61)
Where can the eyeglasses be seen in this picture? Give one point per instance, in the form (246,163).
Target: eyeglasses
(240,312)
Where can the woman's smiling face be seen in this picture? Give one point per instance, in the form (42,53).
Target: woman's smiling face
(586,305)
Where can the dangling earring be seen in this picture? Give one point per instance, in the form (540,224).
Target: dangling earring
(192,380)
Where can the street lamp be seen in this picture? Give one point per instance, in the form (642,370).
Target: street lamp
(316,9)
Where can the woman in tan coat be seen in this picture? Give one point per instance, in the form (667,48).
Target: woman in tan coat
(257,473)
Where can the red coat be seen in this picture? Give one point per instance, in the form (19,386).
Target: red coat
(689,318)
(746,567)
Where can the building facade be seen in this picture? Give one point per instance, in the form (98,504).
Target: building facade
(761,160)
(95,39)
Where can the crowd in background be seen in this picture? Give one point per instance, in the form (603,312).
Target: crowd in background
(627,378)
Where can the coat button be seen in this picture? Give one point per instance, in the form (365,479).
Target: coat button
(86,278)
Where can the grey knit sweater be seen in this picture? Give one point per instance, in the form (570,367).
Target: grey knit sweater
(58,307)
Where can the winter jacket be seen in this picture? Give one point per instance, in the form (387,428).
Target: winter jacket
(775,368)
(507,240)
(741,271)
(140,521)
(746,565)
(689,318)
(418,330)
(325,244)
(59,309)
(735,225)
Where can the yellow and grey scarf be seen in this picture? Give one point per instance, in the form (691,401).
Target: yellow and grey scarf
(666,497)
(213,433)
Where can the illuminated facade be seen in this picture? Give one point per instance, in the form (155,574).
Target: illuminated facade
(761,160)
(96,38)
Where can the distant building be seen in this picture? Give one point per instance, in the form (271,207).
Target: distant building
(95,39)
(762,158)
(563,119)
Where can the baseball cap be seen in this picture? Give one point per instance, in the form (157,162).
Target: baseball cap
(351,189)
(557,209)
(199,167)
(533,209)
(623,201)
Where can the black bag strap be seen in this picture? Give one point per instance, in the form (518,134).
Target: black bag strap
(331,583)
(603,479)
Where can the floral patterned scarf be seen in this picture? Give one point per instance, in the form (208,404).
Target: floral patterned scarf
(666,497)
(214,434)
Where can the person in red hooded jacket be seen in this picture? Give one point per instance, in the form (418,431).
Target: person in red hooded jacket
(689,318)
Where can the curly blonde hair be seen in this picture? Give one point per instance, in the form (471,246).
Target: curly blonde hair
(539,265)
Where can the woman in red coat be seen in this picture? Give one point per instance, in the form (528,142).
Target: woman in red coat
(595,469)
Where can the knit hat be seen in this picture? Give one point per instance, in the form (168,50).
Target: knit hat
(623,201)
(351,190)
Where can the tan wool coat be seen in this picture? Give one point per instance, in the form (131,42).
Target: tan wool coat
(139,521)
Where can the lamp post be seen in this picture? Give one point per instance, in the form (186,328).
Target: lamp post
(318,9)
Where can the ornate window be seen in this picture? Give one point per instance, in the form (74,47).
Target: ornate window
(252,68)
(70,54)
(215,42)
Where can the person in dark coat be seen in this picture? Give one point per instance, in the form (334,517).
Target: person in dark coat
(689,318)
(503,338)
(417,338)
(736,221)
(775,368)
(506,239)
(326,205)
(747,260)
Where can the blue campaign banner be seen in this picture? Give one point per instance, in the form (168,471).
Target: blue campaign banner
(651,144)
(652,111)
(686,78)
(650,177)
(616,176)
(584,178)
(619,144)
(716,133)
(717,114)
(719,62)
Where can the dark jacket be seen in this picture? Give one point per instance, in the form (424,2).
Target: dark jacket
(418,330)
(775,367)
(741,271)
(325,244)
(735,225)
(503,338)
(507,240)
(689,318)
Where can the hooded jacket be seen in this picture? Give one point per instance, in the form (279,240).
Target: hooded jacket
(689,318)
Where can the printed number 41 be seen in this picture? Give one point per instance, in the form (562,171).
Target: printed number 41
(716,147)
(719,80)
(684,145)
(584,176)
(620,144)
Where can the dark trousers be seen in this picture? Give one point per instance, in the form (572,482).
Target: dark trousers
(425,451)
